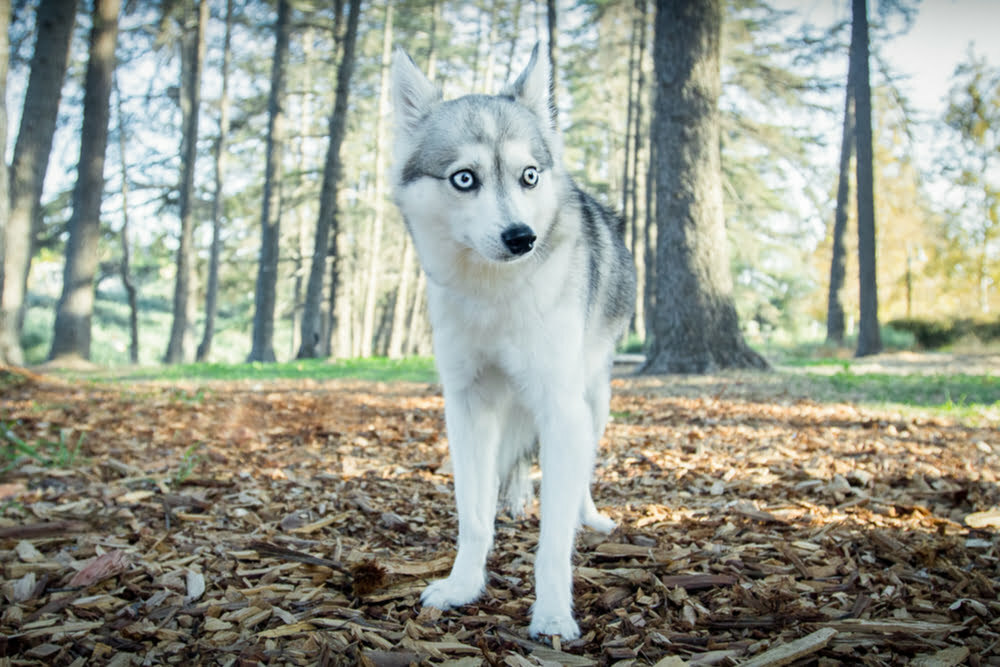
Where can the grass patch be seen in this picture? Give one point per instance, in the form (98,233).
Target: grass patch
(934,391)
(377,369)
(59,453)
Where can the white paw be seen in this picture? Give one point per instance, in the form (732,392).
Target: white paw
(599,522)
(452,592)
(554,624)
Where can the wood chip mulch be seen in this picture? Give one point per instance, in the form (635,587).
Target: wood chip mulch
(297,522)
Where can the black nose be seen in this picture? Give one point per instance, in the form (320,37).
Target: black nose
(519,238)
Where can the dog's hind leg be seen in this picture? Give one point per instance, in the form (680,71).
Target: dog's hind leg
(519,443)
(599,400)
(473,439)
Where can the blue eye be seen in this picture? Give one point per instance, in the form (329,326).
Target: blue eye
(464,180)
(529,177)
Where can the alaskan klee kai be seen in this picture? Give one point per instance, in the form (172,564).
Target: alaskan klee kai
(530,285)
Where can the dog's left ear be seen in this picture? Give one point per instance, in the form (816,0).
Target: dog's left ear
(533,88)
(413,94)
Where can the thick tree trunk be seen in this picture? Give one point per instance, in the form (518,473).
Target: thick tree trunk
(270,219)
(869,337)
(215,252)
(71,335)
(55,19)
(325,244)
(835,303)
(695,324)
(192,60)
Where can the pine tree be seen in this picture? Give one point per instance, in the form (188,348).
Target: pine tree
(192,62)
(695,325)
(55,20)
(325,241)
(869,336)
(270,219)
(71,333)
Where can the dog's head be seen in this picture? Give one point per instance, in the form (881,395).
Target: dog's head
(479,174)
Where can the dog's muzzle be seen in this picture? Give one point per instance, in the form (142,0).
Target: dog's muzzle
(518,238)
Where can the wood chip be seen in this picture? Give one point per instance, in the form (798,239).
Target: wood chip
(989,519)
(949,657)
(106,565)
(794,650)
(888,627)
(830,518)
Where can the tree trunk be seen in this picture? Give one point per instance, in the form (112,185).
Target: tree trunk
(55,19)
(512,49)
(638,246)
(629,113)
(10,344)
(71,335)
(553,24)
(270,218)
(375,239)
(325,244)
(212,288)
(695,321)
(192,59)
(397,332)
(869,337)
(649,243)
(835,302)
(125,268)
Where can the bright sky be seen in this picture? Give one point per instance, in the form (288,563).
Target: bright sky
(938,40)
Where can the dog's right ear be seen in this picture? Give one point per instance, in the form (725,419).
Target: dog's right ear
(413,94)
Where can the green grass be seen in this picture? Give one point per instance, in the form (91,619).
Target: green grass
(379,369)
(14,450)
(943,392)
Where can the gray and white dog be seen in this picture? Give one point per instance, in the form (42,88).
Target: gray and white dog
(530,285)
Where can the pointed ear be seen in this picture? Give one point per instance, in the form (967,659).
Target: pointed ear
(413,95)
(533,87)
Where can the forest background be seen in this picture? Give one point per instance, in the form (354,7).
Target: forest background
(784,70)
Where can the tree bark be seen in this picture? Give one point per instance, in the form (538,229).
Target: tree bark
(553,25)
(638,246)
(398,331)
(325,245)
(192,59)
(215,252)
(125,267)
(835,303)
(10,344)
(378,223)
(270,219)
(55,19)
(696,328)
(629,113)
(71,335)
(869,337)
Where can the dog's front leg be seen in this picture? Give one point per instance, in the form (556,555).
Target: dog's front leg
(566,456)
(473,440)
